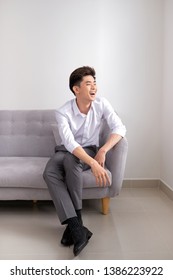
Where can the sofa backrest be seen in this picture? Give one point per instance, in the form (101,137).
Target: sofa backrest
(29,133)
(26,133)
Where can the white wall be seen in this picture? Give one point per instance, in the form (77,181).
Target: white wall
(42,41)
(167,99)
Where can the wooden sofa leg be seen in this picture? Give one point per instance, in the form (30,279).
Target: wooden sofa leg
(105,205)
(34,201)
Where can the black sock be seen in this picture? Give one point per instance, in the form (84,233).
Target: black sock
(73,223)
(79,215)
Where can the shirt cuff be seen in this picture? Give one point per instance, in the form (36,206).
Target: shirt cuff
(119,131)
(71,147)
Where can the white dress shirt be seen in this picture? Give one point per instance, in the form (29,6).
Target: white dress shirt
(77,129)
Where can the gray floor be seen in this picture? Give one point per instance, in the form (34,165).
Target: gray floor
(139,226)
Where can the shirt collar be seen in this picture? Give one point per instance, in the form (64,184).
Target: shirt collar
(76,109)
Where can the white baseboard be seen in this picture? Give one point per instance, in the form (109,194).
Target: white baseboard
(166,189)
(148,183)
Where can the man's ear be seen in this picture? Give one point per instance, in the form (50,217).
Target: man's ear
(75,89)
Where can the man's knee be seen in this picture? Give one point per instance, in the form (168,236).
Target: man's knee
(48,169)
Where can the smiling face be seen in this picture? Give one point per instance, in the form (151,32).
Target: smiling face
(86,91)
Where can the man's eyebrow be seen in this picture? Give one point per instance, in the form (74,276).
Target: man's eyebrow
(89,82)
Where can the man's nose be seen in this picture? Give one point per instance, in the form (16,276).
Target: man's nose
(93,86)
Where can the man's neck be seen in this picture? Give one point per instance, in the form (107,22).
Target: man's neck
(83,108)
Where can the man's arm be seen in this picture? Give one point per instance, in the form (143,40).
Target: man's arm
(98,171)
(110,143)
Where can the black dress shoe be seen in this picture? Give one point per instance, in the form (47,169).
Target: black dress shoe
(80,237)
(67,239)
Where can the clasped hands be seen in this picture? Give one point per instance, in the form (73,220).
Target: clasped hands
(98,170)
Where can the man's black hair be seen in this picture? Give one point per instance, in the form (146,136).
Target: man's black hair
(77,75)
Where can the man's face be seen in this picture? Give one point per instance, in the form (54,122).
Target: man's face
(87,89)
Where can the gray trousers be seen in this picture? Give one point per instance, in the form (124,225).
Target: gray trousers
(63,176)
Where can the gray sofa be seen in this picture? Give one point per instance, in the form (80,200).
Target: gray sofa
(27,141)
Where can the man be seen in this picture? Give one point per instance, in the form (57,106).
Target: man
(79,121)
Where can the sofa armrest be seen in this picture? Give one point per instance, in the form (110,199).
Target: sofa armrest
(115,162)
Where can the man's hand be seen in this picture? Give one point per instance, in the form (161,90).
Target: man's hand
(98,171)
(100,157)
(100,174)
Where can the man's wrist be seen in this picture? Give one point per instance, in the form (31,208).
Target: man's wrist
(92,163)
(102,150)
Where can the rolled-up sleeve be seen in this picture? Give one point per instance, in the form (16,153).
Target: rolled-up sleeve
(65,132)
(113,120)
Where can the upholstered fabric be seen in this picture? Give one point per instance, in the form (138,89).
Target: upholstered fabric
(26,133)
(22,172)
(27,141)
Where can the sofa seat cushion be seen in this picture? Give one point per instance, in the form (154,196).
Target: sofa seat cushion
(22,171)
(28,172)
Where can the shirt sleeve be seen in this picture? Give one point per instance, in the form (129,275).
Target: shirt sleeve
(65,132)
(113,120)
